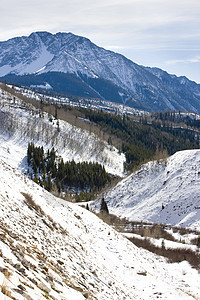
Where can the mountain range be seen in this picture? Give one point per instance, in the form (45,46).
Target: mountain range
(73,65)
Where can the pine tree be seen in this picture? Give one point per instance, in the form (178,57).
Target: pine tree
(49,183)
(104,207)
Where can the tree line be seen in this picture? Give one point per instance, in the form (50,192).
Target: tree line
(52,173)
(141,140)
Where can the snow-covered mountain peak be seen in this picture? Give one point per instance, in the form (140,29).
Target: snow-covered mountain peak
(43,35)
(94,71)
(43,52)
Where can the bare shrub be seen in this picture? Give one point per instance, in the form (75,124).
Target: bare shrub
(6,273)
(31,203)
(46,219)
(196,241)
(5,290)
(173,255)
(144,229)
(183,231)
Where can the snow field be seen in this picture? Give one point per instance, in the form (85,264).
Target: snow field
(66,248)
(166,192)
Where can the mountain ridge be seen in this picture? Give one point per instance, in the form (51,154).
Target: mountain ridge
(97,69)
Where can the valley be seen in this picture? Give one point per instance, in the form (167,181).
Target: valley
(55,249)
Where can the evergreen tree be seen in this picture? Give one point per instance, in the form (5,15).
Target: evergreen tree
(83,176)
(104,207)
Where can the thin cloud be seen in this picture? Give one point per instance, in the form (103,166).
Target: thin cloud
(195,59)
(127,26)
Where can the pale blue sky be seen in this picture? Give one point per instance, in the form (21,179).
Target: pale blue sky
(160,33)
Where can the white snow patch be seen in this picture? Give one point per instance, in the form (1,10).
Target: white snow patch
(36,65)
(163,192)
(47,86)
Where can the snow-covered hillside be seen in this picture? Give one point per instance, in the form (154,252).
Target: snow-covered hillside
(50,249)
(167,191)
(21,123)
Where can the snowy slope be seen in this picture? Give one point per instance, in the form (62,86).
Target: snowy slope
(50,249)
(165,192)
(21,123)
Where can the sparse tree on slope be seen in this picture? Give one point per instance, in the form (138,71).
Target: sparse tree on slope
(104,207)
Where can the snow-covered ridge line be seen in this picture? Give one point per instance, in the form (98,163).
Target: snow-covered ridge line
(104,73)
(95,104)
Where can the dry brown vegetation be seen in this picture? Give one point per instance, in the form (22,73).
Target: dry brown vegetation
(158,231)
(173,255)
(46,219)
(31,203)
(4,288)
